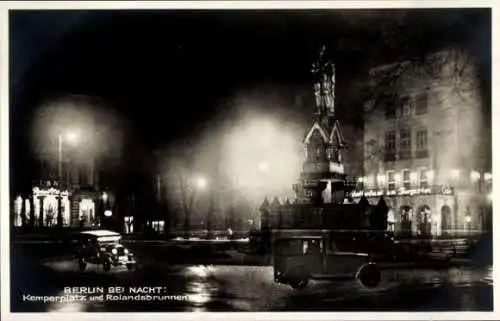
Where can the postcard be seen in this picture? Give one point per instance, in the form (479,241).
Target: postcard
(283,160)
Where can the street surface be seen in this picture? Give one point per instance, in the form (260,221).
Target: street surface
(229,285)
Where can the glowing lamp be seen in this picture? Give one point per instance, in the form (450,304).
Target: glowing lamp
(468,219)
(72,137)
(488,176)
(360,179)
(108,213)
(201,182)
(263,166)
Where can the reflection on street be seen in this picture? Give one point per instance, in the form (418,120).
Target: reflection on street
(74,306)
(199,289)
(252,288)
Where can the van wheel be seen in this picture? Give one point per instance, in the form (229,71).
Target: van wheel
(299,284)
(106,266)
(369,275)
(298,278)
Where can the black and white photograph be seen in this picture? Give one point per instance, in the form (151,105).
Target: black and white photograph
(250,160)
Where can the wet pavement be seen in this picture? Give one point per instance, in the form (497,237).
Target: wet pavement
(225,287)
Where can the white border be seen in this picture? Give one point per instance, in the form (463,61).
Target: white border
(4,147)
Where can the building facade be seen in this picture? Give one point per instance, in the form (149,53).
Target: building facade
(81,201)
(427,146)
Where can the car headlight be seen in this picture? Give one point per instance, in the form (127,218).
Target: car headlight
(114,251)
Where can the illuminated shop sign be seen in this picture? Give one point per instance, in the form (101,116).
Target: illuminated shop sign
(442,190)
(48,192)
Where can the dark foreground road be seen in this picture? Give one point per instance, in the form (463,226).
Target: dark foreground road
(230,286)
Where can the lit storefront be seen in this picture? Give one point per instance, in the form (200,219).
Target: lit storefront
(78,208)
(45,207)
(423,210)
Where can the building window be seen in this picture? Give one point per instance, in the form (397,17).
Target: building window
(381,180)
(360,183)
(422,178)
(391,181)
(390,107)
(158,226)
(405,107)
(129,224)
(405,143)
(390,145)
(422,150)
(391,220)
(406,220)
(421,104)
(406,179)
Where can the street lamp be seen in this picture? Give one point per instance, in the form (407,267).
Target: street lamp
(71,137)
(201,182)
(263,166)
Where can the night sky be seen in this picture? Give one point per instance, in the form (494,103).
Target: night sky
(169,75)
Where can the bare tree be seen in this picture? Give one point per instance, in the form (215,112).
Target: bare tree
(411,47)
(183,193)
(210,215)
(187,197)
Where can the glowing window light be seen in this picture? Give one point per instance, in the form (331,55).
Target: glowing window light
(360,179)
(390,217)
(381,179)
(430,175)
(18,205)
(455,174)
(87,208)
(488,176)
(474,176)
(27,206)
(369,180)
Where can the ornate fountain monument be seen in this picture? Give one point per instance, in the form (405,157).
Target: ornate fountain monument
(322,191)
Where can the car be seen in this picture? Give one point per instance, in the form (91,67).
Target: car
(304,256)
(103,247)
